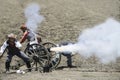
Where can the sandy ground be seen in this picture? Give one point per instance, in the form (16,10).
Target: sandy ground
(64,21)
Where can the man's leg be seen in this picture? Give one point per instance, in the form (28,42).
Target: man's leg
(69,59)
(8,61)
(25,58)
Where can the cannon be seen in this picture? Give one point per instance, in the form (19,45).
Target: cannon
(42,59)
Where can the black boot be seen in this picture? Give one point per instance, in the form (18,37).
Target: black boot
(7,65)
(28,66)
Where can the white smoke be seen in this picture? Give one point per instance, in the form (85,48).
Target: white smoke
(103,41)
(33,17)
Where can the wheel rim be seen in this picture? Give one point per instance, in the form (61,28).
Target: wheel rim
(38,55)
(55,57)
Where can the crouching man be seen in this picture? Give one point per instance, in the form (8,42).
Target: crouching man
(13,47)
(67,54)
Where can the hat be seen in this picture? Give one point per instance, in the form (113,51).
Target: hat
(11,35)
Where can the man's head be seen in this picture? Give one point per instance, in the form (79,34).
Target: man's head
(23,27)
(11,37)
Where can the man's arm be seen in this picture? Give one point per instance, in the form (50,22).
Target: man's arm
(24,37)
(18,44)
(3,48)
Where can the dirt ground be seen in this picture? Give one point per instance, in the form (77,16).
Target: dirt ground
(64,21)
(65,74)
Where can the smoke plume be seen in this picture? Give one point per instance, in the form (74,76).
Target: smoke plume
(102,40)
(33,17)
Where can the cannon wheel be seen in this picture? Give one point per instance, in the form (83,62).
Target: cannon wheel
(39,56)
(55,57)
